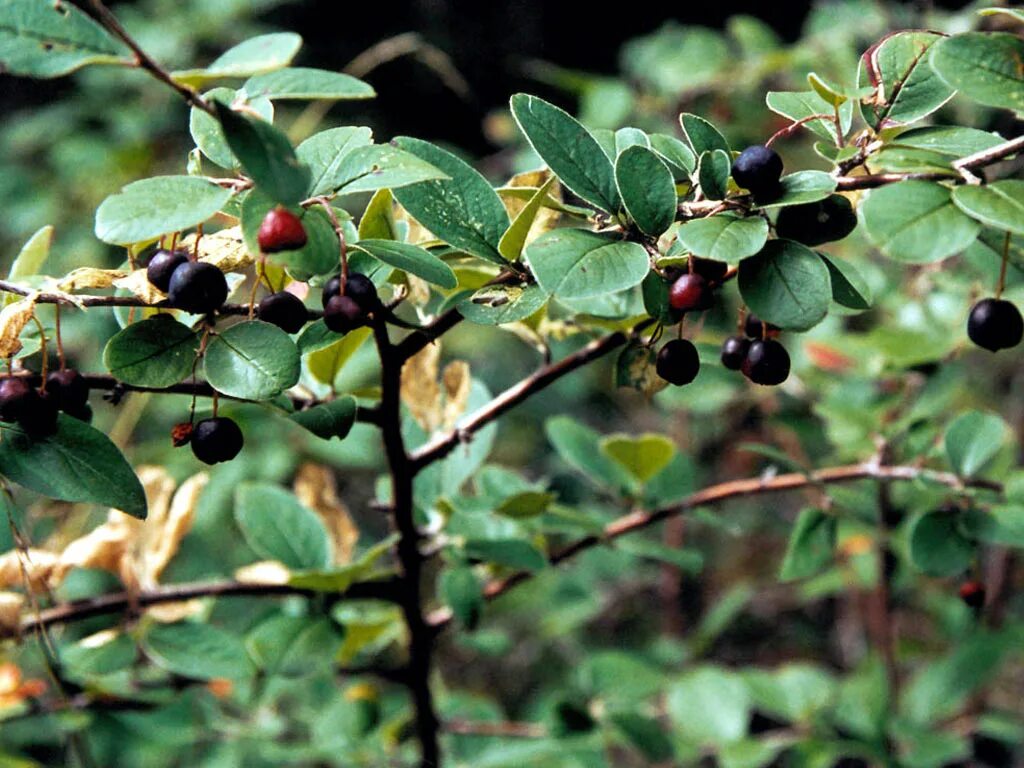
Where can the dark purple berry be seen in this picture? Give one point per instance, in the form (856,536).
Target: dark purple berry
(283,309)
(197,287)
(815,223)
(678,362)
(758,169)
(995,324)
(734,352)
(358,287)
(216,440)
(14,393)
(68,388)
(161,267)
(767,363)
(342,314)
(38,415)
(755,328)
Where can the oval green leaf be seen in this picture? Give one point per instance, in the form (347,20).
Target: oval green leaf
(786,284)
(252,360)
(984,66)
(999,204)
(146,209)
(577,264)
(156,352)
(724,237)
(412,259)
(277,527)
(647,188)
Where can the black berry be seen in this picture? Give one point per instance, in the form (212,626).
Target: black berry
(14,393)
(973,594)
(216,440)
(283,309)
(38,415)
(815,223)
(358,287)
(734,352)
(758,169)
(197,287)
(767,363)
(281,230)
(342,314)
(571,717)
(755,328)
(82,413)
(995,324)
(678,362)
(161,267)
(711,270)
(68,389)
(690,292)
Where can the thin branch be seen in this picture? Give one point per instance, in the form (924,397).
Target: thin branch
(428,334)
(501,729)
(715,494)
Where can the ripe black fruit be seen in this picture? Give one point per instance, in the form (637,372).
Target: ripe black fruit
(161,267)
(678,362)
(973,594)
(14,393)
(767,363)
(342,314)
(358,287)
(281,230)
(734,352)
(758,169)
(216,440)
(995,324)
(711,270)
(197,287)
(38,415)
(690,292)
(68,388)
(283,309)
(756,328)
(82,413)
(815,223)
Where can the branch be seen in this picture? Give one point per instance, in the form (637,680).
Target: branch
(66,613)
(442,445)
(506,729)
(715,494)
(417,340)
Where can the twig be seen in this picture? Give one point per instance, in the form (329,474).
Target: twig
(507,729)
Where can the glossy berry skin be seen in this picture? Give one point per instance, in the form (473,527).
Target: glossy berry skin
(973,594)
(678,362)
(161,267)
(14,393)
(734,352)
(690,292)
(197,287)
(358,287)
(38,415)
(825,221)
(283,309)
(216,440)
(995,324)
(342,314)
(281,230)
(68,389)
(755,328)
(758,169)
(767,363)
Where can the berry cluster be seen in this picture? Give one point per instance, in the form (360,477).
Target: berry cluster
(192,286)
(349,301)
(35,410)
(756,354)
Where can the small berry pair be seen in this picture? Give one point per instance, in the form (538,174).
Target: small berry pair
(32,410)
(70,393)
(995,324)
(346,306)
(193,286)
(759,357)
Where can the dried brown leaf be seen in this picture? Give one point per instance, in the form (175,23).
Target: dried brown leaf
(138,283)
(263,572)
(36,566)
(11,605)
(224,249)
(457,382)
(420,391)
(13,320)
(89,277)
(315,488)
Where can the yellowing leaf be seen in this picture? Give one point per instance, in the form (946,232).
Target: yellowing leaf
(457,383)
(643,456)
(139,284)
(13,320)
(326,363)
(11,604)
(165,528)
(420,391)
(89,277)
(263,572)
(34,566)
(224,249)
(316,488)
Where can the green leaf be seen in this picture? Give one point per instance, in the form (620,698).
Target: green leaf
(577,264)
(410,258)
(320,254)
(630,137)
(252,360)
(802,187)
(41,39)
(337,580)
(579,446)
(305,83)
(328,420)
(636,367)
(568,149)
(916,222)
(999,204)
(511,553)
(951,140)
(207,132)
(645,734)
(463,210)
(78,464)
(849,288)
(501,304)
(264,53)
(525,504)
(938,546)
(325,364)
(984,66)
(713,173)
(796,692)
(324,152)
(906,88)
(462,592)
(514,239)
(709,706)
(156,352)
(724,237)
(30,259)
(266,155)
(378,220)
(827,91)
(200,651)
(972,440)
(642,456)
(787,285)
(277,527)
(85,661)
(680,158)
(800,105)
(365,168)
(647,188)
(811,545)
(687,560)
(147,209)
(701,135)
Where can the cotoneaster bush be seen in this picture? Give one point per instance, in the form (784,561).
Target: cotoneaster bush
(284,307)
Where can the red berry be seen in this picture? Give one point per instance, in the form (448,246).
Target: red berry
(973,594)
(690,292)
(281,230)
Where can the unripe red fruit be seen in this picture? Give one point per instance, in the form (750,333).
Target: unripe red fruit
(358,287)
(68,389)
(973,594)
(216,440)
(197,287)
(281,230)
(734,352)
(161,267)
(342,314)
(690,292)
(758,169)
(767,363)
(678,362)
(995,324)
(14,392)
(283,309)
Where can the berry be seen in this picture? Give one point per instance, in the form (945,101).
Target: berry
(815,223)
(756,328)
(14,393)
(283,309)
(358,287)
(161,267)
(38,415)
(342,314)
(690,292)
(973,594)
(995,324)
(68,389)
(197,287)
(571,717)
(767,363)
(734,352)
(82,413)
(216,440)
(758,169)
(678,362)
(281,230)
(711,270)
